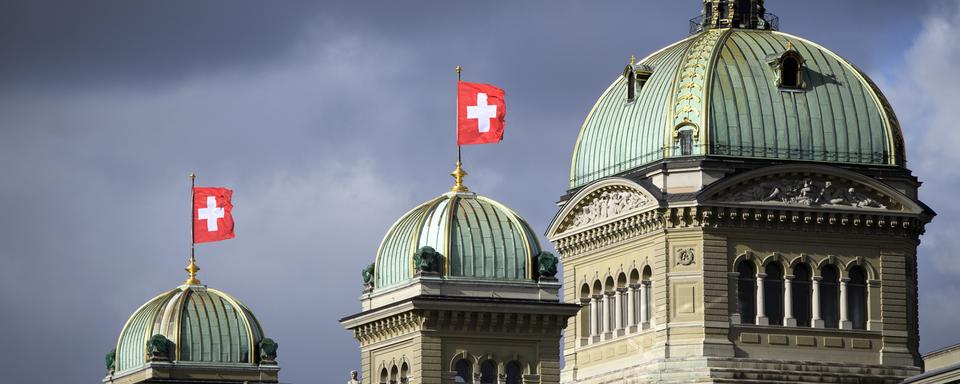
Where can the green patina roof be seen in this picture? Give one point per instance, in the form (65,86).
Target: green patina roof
(720,82)
(204,324)
(478,237)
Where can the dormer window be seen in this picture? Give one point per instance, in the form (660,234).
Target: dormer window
(788,66)
(636,75)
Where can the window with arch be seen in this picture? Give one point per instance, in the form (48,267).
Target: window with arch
(404,372)
(747,292)
(773,293)
(464,371)
(394,374)
(585,317)
(790,72)
(800,295)
(488,372)
(857,297)
(646,301)
(609,303)
(383,376)
(514,373)
(830,296)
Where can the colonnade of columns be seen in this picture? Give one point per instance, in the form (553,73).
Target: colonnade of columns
(816,320)
(619,311)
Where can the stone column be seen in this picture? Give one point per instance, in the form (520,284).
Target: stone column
(632,307)
(607,311)
(845,322)
(816,321)
(761,311)
(618,311)
(873,308)
(788,319)
(733,304)
(645,304)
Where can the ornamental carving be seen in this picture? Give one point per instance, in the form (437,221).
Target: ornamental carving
(607,204)
(685,256)
(810,192)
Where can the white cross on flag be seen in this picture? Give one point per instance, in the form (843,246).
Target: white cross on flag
(212,218)
(480,113)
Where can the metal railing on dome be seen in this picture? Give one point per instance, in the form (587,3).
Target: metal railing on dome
(770,21)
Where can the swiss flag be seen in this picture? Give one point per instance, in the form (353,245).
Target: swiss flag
(212,220)
(480,113)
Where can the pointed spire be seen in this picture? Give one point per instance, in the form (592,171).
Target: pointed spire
(458,174)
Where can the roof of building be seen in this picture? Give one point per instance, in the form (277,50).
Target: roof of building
(204,324)
(723,84)
(477,237)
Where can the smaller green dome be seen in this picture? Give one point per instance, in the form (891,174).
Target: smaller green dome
(203,324)
(478,237)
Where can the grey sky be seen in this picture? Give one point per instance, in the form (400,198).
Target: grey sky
(329,120)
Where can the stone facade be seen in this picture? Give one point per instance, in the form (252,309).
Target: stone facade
(660,284)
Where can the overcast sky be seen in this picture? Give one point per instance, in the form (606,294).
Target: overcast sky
(331,119)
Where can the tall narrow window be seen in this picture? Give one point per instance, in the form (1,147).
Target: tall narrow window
(394,374)
(790,72)
(747,293)
(773,293)
(404,371)
(830,297)
(686,141)
(383,376)
(488,373)
(464,372)
(857,298)
(800,287)
(514,373)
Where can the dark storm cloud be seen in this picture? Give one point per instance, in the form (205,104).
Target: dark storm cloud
(329,120)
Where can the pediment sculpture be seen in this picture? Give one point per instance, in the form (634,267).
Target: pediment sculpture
(811,191)
(607,204)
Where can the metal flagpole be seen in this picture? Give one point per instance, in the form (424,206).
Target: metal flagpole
(458,173)
(192,268)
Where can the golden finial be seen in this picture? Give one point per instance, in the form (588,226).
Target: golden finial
(192,270)
(633,60)
(458,175)
(459,69)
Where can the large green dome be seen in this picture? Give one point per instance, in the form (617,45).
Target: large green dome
(477,237)
(723,85)
(203,324)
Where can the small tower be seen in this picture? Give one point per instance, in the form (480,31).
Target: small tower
(460,292)
(192,334)
(734,14)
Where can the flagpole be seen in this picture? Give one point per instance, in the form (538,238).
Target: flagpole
(192,268)
(457,123)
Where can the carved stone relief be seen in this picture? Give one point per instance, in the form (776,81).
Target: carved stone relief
(810,192)
(606,204)
(685,256)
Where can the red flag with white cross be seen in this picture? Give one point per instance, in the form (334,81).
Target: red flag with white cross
(480,113)
(212,218)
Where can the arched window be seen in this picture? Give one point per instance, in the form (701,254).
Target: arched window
(773,293)
(394,374)
(464,372)
(646,301)
(830,296)
(609,305)
(383,376)
(747,293)
(514,373)
(585,326)
(790,72)
(857,298)
(800,295)
(404,371)
(488,372)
